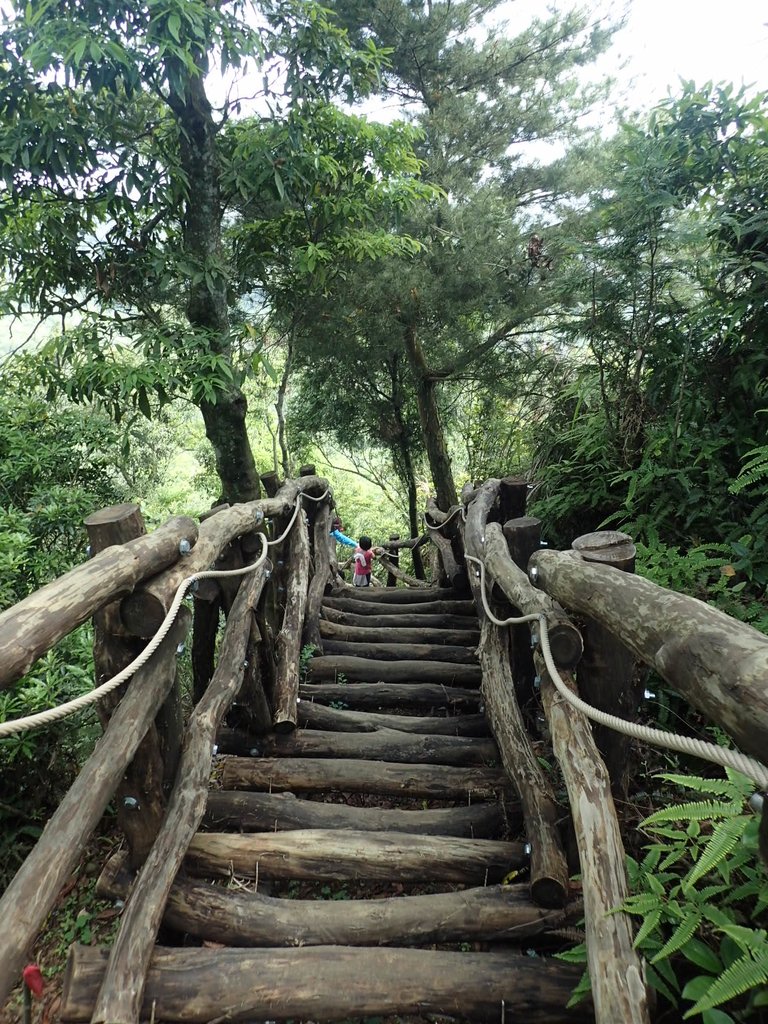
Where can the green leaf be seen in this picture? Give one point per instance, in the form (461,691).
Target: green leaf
(174,26)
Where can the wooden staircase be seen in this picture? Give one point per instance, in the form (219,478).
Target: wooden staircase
(361,864)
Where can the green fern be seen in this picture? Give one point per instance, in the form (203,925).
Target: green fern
(746,973)
(681,935)
(724,838)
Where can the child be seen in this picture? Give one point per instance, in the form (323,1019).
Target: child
(338,535)
(363,558)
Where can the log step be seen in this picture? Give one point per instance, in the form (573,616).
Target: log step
(280,812)
(317,854)
(327,983)
(383,609)
(383,745)
(401,652)
(307,775)
(398,635)
(373,671)
(317,716)
(213,913)
(396,595)
(400,620)
(384,695)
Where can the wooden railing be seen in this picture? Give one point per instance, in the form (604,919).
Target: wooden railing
(603,623)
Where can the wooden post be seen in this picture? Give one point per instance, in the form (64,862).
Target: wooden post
(120,996)
(719,665)
(288,643)
(140,800)
(523,536)
(320,578)
(394,556)
(615,968)
(271,483)
(307,470)
(513,495)
(29,898)
(606,674)
(252,710)
(34,625)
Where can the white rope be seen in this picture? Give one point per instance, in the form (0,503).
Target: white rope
(683,744)
(429,526)
(71,707)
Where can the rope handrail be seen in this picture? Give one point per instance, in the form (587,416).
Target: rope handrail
(51,715)
(723,756)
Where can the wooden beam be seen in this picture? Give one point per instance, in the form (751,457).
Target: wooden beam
(408,620)
(390,695)
(288,642)
(29,898)
(719,665)
(306,775)
(120,996)
(317,854)
(316,716)
(144,610)
(371,670)
(330,983)
(383,745)
(615,967)
(401,635)
(34,625)
(321,575)
(273,812)
(457,655)
(491,913)
(380,605)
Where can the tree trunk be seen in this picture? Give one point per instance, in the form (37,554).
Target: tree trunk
(207,312)
(432,431)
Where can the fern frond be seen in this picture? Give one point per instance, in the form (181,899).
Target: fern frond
(684,931)
(723,839)
(743,974)
(643,903)
(649,925)
(697,810)
(718,787)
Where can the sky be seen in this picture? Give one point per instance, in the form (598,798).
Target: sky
(665,40)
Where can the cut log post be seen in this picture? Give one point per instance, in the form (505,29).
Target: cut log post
(398,695)
(606,674)
(145,609)
(120,996)
(394,635)
(383,745)
(396,652)
(278,812)
(321,575)
(140,800)
(513,496)
(288,643)
(329,983)
(480,504)
(308,469)
(370,670)
(491,913)
(615,968)
(317,716)
(306,775)
(564,638)
(34,625)
(29,898)
(549,870)
(316,854)
(271,483)
(719,665)
(523,536)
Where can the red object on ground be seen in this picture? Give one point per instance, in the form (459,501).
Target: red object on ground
(33,979)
